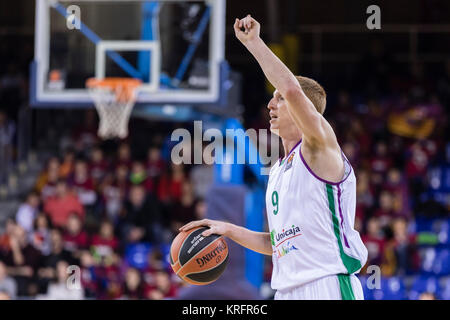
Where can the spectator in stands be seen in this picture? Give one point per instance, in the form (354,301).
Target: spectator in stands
(47,270)
(138,176)
(82,184)
(155,163)
(416,167)
(374,241)
(105,240)
(381,162)
(122,178)
(46,183)
(142,220)
(75,238)
(7,284)
(170,185)
(403,245)
(155,263)
(124,155)
(183,211)
(22,261)
(113,194)
(68,164)
(361,136)
(133,288)
(28,211)
(163,287)
(40,237)
(385,211)
(98,166)
(59,289)
(88,275)
(397,186)
(62,204)
(374,121)
(5,244)
(109,277)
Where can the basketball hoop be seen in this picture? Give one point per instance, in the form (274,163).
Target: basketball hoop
(114,99)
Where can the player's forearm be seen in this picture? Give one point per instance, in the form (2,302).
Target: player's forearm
(274,69)
(256,241)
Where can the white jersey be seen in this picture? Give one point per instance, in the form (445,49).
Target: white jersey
(311,223)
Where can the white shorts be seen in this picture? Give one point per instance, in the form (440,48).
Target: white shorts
(334,287)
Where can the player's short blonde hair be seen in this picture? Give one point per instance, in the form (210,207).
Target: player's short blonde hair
(314,91)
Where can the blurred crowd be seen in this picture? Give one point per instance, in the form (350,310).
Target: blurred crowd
(93,210)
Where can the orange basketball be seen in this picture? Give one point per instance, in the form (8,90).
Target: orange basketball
(197,259)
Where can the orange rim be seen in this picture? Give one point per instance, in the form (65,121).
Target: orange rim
(124,88)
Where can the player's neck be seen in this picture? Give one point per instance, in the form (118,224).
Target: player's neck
(289,144)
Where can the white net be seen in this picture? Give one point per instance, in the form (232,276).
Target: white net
(114,104)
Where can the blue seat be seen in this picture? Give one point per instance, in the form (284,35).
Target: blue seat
(392,288)
(427,260)
(165,250)
(443,231)
(423,225)
(442,263)
(434,261)
(368,293)
(136,255)
(445,288)
(424,284)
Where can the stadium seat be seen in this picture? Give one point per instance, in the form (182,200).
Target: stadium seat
(443,231)
(434,261)
(392,288)
(442,264)
(445,288)
(165,249)
(427,260)
(440,178)
(368,293)
(136,255)
(423,225)
(424,284)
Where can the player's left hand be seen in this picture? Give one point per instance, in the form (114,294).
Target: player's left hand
(251,29)
(215,227)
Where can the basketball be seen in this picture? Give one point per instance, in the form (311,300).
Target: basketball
(197,259)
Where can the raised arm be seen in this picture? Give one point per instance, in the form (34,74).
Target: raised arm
(316,130)
(256,241)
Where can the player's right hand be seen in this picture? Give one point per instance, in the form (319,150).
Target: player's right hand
(215,227)
(251,29)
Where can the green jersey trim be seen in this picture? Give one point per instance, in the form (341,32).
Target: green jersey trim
(351,264)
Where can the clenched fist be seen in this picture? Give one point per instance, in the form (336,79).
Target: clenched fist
(246,29)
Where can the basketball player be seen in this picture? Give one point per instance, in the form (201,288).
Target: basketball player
(311,193)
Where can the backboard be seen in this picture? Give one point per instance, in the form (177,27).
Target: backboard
(176,47)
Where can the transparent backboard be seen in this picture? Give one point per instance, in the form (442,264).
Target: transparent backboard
(175,47)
